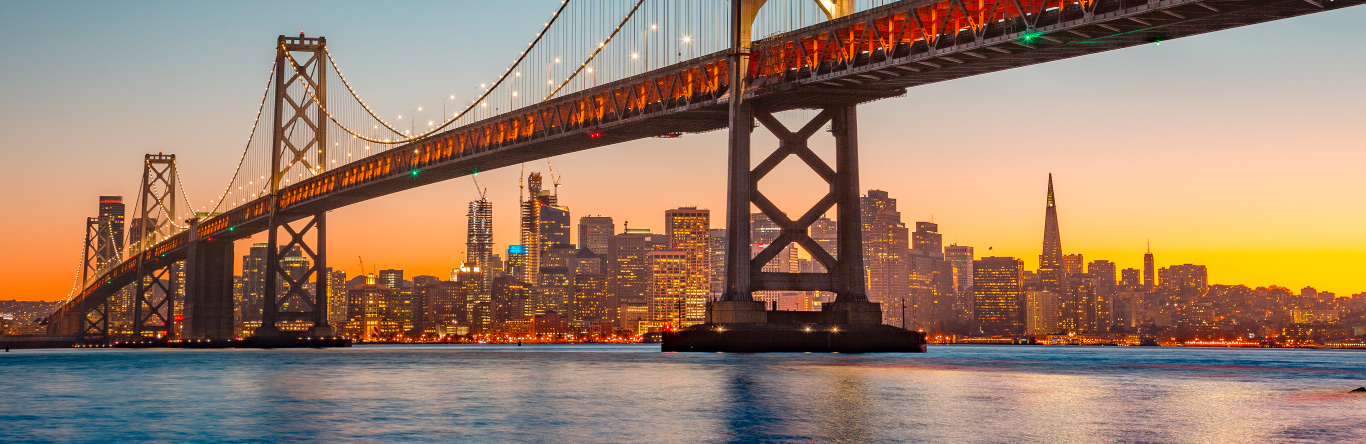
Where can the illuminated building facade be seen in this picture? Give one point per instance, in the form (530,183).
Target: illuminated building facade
(110,234)
(669,280)
(1186,279)
(885,247)
(689,231)
(595,234)
(960,257)
(1041,312)
(1052,270)
(479,238)
(998,293)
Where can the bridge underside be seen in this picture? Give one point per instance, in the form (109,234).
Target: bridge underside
(843,61)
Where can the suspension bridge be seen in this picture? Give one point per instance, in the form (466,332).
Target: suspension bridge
(597,73)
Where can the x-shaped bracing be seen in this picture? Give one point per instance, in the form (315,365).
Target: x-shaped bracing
(797,231)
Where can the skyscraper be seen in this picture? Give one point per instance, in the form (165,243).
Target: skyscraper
(689,231)
(885,248)
(536,201)
(254,283)
(1149,269)
(630,267)
(718,262)
(961,257)
(595,234)
(109,243)
(668,287)
(927,240)
(998,292)
(1052,271)
(479,240)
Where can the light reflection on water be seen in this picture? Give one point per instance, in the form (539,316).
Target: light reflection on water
(613,393)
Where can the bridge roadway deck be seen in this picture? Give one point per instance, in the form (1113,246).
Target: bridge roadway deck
(865,56)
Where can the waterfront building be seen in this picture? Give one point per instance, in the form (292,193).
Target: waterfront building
(668,286)
(253,283)
(689,231)
(336,296)
(1041,312)
(998,292)
(629,267)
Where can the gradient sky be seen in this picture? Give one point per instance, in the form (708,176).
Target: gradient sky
(1240,150)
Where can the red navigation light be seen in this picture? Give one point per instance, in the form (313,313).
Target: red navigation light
(594,135)
(179,318)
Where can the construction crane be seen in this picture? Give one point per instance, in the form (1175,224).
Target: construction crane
(554,178)
(483,191)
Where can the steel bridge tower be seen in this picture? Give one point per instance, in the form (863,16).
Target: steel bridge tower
(154,302)
(844,273)
(300,139)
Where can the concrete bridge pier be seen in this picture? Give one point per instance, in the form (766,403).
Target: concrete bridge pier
(208,293)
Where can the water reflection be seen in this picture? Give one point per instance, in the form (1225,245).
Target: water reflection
(636,394)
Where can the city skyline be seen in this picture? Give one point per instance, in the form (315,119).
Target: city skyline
(1269,227)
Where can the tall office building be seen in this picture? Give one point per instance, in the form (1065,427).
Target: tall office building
(533,206)
(555,225)
(253,283)
(479,239)
(336,296)
(961,256)
(1041,312)
(885,247)
(516,265)
(689,231)
(109,240)
(595,234)
(669,280)
(1102,272)
(629,267)
(998,292)
(1052,271)
(927,240)
(1149,267)
(391,278)
(718,262)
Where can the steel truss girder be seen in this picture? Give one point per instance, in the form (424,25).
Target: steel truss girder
(844,272)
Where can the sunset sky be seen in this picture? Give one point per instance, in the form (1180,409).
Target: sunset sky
(1241,150)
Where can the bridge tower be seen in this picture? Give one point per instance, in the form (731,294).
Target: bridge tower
(154,303)
(300,144)
(844,269)
(94,323)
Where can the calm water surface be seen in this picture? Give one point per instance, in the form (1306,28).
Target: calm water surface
(614,393)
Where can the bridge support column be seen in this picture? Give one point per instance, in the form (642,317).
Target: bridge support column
(844,273)
(208,293)
(299,147)
(157,283)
